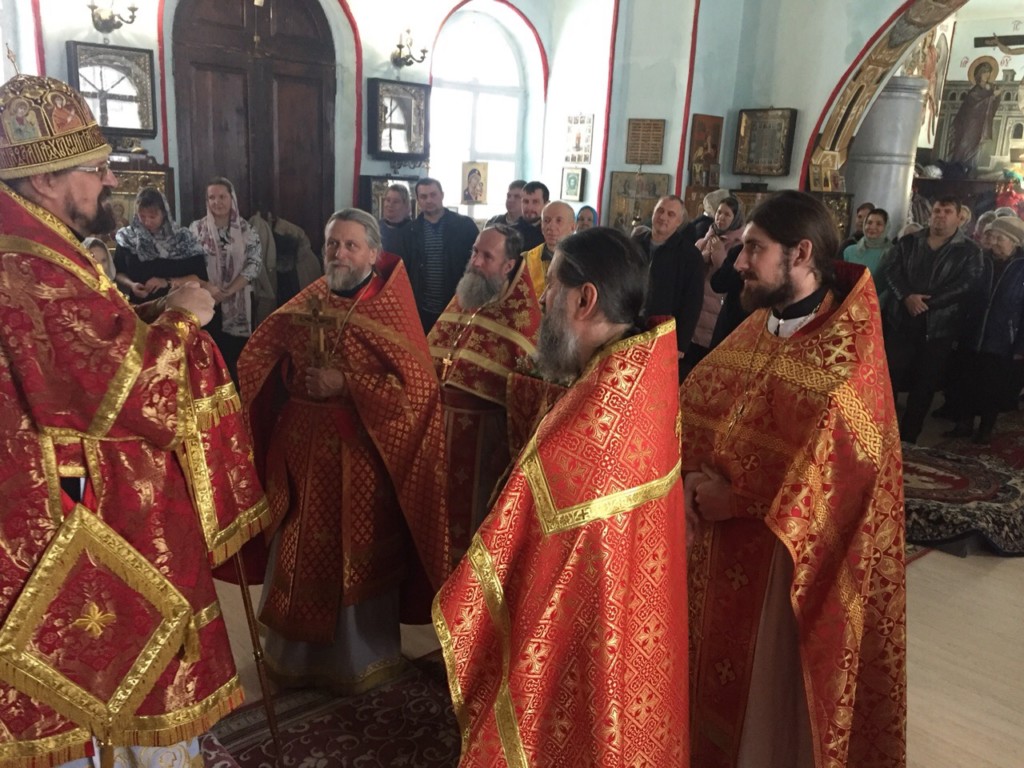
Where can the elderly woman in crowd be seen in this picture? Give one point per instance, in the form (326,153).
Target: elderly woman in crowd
(870,248)
(994,374)
(153,252)
(586,218)
(725,232)
(233,261)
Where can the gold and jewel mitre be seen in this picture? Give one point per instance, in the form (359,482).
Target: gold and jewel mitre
(46,125)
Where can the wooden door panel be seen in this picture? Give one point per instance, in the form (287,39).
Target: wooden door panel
(218,135)
(260,114)
(304,150)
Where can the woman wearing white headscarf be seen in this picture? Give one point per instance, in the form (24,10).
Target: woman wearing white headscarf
(232,262)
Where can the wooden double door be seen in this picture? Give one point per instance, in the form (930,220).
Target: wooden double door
(255,90)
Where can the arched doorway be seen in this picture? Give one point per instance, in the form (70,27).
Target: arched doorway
(255,92)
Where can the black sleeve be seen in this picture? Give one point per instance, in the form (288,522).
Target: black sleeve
(726,278)
(690,299)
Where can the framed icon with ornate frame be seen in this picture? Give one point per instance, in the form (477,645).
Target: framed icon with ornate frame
(398,120)
(118,84)
(764,142)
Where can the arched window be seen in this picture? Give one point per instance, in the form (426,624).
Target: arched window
(479,109)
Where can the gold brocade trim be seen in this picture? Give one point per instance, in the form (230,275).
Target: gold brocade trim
(444,636)
(477,359)
(494,326)
(555,520)
(192,456)
(15,244)
(504,711)
(223,402)
(71,470)
(48,455)
(121,385)
(207,614)
(85,534)
(245,525)
(220,543)
(47,219)
(94,463)
(48,751)
(49,154)
(185,723)
(646,338)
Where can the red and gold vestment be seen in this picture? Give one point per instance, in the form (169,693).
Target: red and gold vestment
(564,627)
(349,478)
(474,353)
(805,430)
(109,621)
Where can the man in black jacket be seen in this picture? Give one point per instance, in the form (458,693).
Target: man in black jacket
(676,276)
(927,280)
(435,248)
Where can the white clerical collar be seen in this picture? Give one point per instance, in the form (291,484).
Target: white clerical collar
(786,328)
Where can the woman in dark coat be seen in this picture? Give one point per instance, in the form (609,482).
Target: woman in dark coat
(995,373)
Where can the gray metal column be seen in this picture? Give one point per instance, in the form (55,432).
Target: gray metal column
(880,166)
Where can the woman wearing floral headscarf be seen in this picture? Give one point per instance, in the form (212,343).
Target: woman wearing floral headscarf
(153,252)
(232,262)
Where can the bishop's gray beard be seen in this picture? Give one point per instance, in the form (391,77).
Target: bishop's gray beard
(557,354)
(474,289)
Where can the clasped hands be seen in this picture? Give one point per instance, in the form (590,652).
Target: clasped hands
(916,303)
(322,383)
(708,498)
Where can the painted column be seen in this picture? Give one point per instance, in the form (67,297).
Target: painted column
(880,166)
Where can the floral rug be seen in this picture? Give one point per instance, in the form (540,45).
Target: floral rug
(406,723)
(960,491)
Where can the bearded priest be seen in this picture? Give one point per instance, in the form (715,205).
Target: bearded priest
(343,402)
(490,324)
(794,478)
(564,627)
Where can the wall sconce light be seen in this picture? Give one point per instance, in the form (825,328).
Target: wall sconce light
(402,55)
(106,21)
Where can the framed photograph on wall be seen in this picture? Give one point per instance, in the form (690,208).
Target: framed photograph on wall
(572,184)
(764,142)
(398,120)
(117,83)
(474,178)
(373,188)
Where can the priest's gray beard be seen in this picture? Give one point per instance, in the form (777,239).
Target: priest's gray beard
(557,355)
(476,289)
(341,277)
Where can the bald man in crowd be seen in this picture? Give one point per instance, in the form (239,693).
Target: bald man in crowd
(557,221)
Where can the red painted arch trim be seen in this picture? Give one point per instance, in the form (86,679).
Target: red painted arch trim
(165,139)
(357,152)
(613,39)
(37,22)
(802,183)
(686,101)
(526,21)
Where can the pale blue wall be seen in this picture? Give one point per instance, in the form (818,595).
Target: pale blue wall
(750,53)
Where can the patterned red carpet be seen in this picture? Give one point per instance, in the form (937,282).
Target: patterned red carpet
(406,723)
(963,492)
